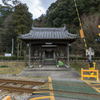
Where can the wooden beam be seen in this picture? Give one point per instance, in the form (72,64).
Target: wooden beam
(46,41)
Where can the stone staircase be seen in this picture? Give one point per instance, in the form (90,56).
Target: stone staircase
(49,62)
(49,68)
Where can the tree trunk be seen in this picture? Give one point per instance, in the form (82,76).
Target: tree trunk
(18,50)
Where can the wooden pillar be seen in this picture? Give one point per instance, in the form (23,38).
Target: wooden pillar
(67,52)
(43,56)
(40,59)
(57,60)
(54,55)
(18,50)
(29,54)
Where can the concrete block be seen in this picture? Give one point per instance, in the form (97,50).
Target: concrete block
(31,66)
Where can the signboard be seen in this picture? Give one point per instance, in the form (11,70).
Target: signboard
(7,54)
(81,33)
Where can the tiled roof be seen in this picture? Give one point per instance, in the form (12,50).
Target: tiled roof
(48,33)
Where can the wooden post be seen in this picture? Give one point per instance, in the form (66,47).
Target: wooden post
(67,52)
(54,55)
(57,60)
(25,58)
(18,50)
(29,54)
(43,56)
(40,59)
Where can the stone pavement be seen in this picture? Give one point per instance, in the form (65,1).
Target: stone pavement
(55,73)
(65,75)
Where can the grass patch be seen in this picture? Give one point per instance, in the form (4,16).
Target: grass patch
(48,59)
(84,65)
(11,67)
(3,66)
(36,63)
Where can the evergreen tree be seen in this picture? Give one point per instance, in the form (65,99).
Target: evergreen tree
(4,12)
(65,11)
(7,34)
(22,19)
(22,22)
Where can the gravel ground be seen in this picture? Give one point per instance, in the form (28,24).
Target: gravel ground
(14,95)
(18,95)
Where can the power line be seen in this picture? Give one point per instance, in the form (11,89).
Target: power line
(43,13)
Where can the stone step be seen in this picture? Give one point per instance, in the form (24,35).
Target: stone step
(49,69)
(49,62)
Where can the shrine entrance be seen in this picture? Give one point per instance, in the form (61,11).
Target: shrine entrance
(49,54)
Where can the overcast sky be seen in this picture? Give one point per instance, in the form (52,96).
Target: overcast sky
(36,5)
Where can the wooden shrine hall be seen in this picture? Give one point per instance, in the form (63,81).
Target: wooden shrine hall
(48,45)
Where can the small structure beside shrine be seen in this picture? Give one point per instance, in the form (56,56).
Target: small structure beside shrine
(48,45)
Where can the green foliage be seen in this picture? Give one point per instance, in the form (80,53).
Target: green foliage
(64,12)
(4,12)
(29,21)
(12,58)
(13,22)
(92,11)
(7,33)
(3,66)
(83,58)
(22,19)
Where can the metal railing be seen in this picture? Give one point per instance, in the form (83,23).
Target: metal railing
(91,73)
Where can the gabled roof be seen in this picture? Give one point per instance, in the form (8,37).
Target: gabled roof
(48,33)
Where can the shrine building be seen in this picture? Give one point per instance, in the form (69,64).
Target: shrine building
(48,45)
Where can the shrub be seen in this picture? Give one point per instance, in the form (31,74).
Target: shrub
(72,58)
(83,58)
(12,58)
(3,66)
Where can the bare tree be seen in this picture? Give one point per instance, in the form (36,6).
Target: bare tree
(91,30)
